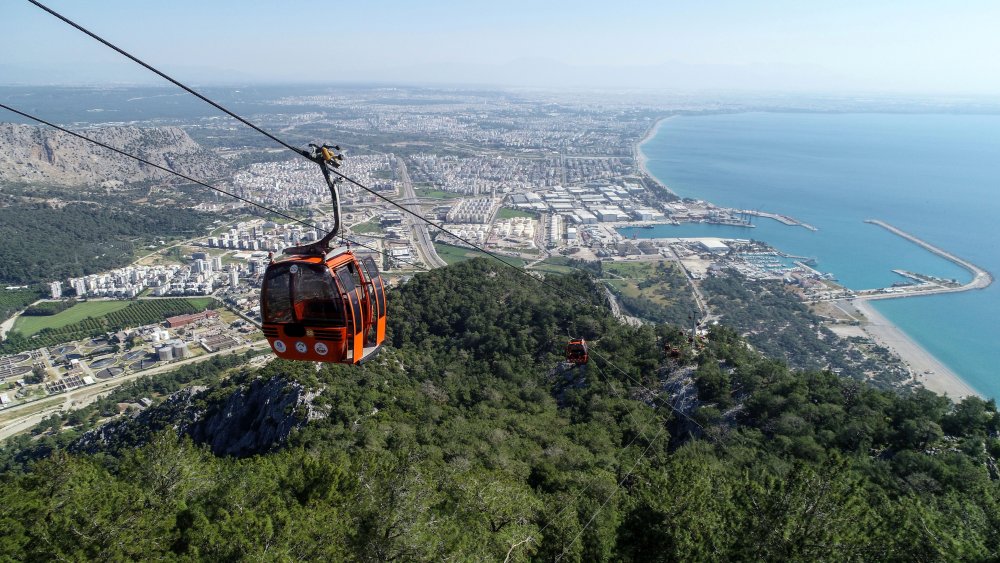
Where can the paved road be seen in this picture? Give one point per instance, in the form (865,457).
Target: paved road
(7,325)
(616,310)
(84,396)
(421,237)
(540,235)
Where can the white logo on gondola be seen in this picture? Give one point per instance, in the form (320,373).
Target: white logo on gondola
(301,347)
(279,347)
(321,348)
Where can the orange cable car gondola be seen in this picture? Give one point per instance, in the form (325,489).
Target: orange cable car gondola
(576,352)
(324,305)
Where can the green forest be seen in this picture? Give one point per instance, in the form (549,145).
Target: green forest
(468,439)
(13,300)
(41,242)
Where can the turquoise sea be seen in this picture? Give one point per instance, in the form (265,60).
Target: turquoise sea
(935,176)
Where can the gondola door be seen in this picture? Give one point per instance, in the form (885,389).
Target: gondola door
(355,314)
(376,297)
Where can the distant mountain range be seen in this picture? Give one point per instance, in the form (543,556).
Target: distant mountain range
(525,72)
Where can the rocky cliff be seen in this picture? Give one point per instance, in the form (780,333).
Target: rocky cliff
(43,155)
(251,419)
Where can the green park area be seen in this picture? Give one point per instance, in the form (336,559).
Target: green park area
(200,303)
(29,326)
(427,190)
(368,227)
(507,213)
(554,265)
(452,254)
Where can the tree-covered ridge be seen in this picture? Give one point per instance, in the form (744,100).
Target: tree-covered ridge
(466,441)
(42,242)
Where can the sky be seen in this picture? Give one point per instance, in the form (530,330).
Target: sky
(912,47)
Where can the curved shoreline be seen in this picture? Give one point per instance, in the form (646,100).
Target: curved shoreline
(981,278)
(640,157)
(927,369)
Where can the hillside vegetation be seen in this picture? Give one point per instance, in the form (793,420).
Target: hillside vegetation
(41,242)
(466,440)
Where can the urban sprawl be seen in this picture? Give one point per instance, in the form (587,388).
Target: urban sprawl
(535,180)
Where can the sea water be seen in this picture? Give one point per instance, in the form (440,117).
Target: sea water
(934,176)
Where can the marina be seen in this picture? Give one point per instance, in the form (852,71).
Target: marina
(922,283)
(836,172)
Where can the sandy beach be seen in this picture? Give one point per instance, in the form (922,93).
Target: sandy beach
(928,370)
(640,158)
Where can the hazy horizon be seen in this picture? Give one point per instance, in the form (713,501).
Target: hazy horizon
(774,46)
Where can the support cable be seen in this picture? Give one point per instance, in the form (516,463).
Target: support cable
(307,156)
(297,151)
(614,493)
(642,433)
(383,198)
(260,130)
(185,177)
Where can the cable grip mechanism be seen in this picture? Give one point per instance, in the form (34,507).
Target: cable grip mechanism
(329,154)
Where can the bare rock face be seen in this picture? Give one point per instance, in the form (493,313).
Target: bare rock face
(254,418)
(43,155)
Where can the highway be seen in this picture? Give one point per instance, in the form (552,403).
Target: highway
(421,237)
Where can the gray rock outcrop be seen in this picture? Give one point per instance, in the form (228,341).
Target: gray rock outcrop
(43,155)
(252,419)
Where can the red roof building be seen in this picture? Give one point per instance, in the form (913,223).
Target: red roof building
(181,320)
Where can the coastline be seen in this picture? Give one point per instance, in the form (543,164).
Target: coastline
(940,379)
(981,278)
(926,369)
(640,157)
